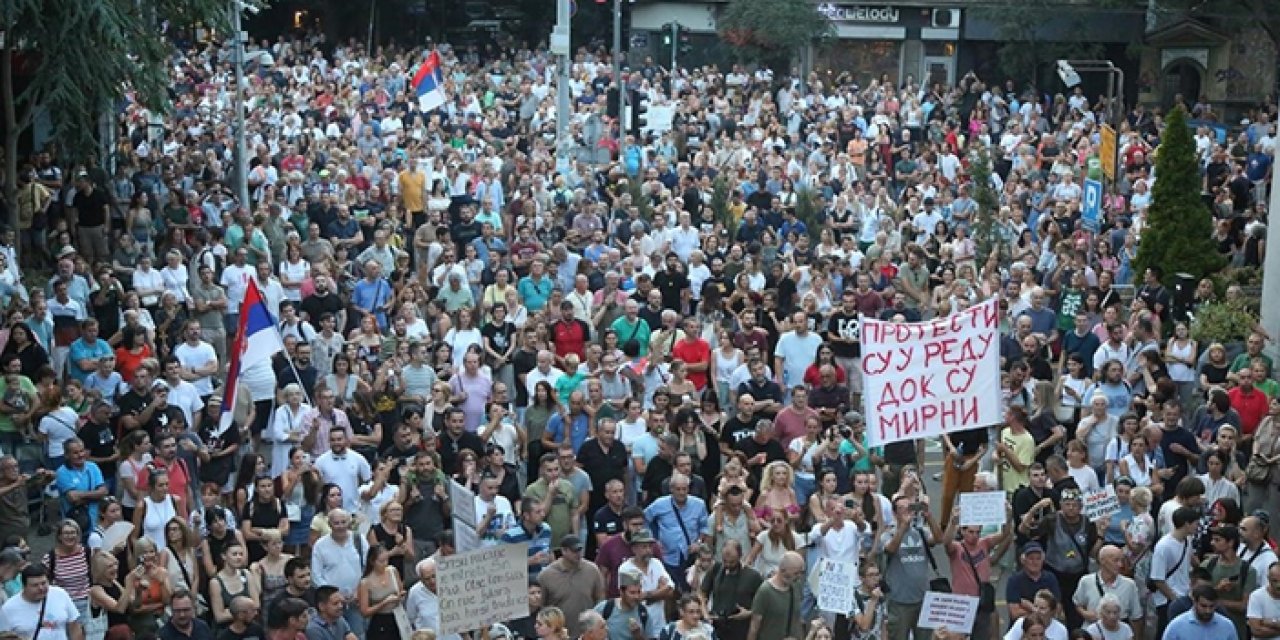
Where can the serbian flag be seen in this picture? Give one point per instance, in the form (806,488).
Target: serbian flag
(256,341)
(428,81)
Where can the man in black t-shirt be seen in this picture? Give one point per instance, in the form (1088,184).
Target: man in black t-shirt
(297,573)
(322,301)
(139,406)
(740,427)
(761,449)
(99,438)
(92,206)
(842,334)
(673,283)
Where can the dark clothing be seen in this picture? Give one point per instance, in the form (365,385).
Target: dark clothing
(671,284)
(1022,587)
(659,469)
(199,631)
(100,439)
(602,466)
(450,448)
(726,591)
(92,207)
(252,632)
(736,430)
(1180,465)
(771,449)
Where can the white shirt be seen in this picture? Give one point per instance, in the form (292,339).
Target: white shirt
(20,616)
(235,280)
(1171,557)
(655,577)
(840,545)
(348,470)
(532,379)
(194,357)
(185,396)
(1262,605)
(1056,631)
(371,509)
(423,608)
(338,565)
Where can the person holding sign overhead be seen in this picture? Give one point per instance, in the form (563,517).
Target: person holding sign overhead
(971,558)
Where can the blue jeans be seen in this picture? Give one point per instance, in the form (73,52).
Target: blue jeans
(354,620)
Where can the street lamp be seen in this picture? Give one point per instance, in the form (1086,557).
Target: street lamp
(1069,71)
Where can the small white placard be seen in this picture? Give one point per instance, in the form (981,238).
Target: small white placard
(955,612)
(982,508)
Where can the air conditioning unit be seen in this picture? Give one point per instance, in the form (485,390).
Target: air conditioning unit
(945,19)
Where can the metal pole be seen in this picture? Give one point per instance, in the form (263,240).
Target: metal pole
(675,43)
(617,71)
(373,8)
(242,152)
(563,60)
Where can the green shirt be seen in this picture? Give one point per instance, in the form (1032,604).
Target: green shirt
(27,388)
(639,331)
(564,506)
(1243,360)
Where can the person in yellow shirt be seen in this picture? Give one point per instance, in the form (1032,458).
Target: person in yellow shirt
(413,191)
(1015,450)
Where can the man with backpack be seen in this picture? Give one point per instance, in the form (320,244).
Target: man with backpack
(626,616)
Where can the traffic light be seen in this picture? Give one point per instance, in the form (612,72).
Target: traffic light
(667,30)
(685,45)
(639,110)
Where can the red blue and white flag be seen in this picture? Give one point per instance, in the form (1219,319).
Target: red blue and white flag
(257,340)
(428,81)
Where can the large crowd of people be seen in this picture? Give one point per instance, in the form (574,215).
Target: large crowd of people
(647,370)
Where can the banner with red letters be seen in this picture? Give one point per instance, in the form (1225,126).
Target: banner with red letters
(923,379)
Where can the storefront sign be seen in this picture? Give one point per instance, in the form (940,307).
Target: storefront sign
(858,13)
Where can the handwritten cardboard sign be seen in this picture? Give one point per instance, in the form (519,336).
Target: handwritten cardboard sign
(983,508)
(923,379)
(955,612)
(481,587)
(836,583)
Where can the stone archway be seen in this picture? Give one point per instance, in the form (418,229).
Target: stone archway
(1182,76)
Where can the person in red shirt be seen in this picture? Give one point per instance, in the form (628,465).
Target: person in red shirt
(569,334)
(1250,402)
(695,352)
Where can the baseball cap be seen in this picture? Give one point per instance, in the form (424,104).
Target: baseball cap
(1032,547)
(571,542)
(641,537)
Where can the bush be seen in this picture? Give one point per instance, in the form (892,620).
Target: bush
(1179,231)
(1224,322)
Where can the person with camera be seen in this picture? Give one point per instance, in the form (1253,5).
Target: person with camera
(907,545)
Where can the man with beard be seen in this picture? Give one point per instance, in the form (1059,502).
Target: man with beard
(1203,622)
(729,587)
(322,301)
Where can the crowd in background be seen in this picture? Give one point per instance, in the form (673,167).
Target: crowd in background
(647,369)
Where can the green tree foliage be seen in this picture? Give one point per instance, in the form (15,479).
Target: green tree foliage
(987,235)
(82,56)
(1023,29)
(1179,231)
(771,31)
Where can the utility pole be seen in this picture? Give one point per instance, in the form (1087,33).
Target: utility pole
(242,153)
(675,43)
(617,71)
(560,46)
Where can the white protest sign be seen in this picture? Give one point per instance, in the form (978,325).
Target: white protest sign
(464,503)
(481,587)
(955,612)
(1101,503)
(982,508)
(836,583)
(923,379)
(465,537)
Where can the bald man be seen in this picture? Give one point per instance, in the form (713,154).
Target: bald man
(423,603)
(778,599)
(244,621)
(1108,580)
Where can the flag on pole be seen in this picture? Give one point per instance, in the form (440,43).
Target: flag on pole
(428,81)
(256,340)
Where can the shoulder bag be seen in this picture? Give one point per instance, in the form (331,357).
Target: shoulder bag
(986,591)
(938,583)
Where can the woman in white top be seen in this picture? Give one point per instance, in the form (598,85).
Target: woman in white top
(1118,448)
(285,430)
(1137,465)
(57,426)
(772,543)
(1109,626)
(155,510)
(1040,623)
(464,335)
(180,557)
(294,270)
(1078,466)
(135,452)
(1216,485)
(728,358)
(174,275)
(1180,357)
(1073,391)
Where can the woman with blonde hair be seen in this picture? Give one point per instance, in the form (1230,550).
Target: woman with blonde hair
(269,571)
(777,490)
(107,596)
(549,625)
(152,593)
(1139,535)
(286,428)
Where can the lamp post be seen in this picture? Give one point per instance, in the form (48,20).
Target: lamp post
(617,71)
(1067,71)
(242,153)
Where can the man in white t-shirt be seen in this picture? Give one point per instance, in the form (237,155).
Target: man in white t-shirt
(494,514)
(656,586)
(1263,610)
(1171,564)
(199,360)
(343,467)
(795,352)
(22,614)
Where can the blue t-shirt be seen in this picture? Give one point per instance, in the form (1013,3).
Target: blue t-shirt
(81,350)
(1188,627)
(86,478)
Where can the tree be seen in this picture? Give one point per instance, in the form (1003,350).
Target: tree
(987,235)
(1179,229)
(82,58)
(770,32)
(1022,27)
